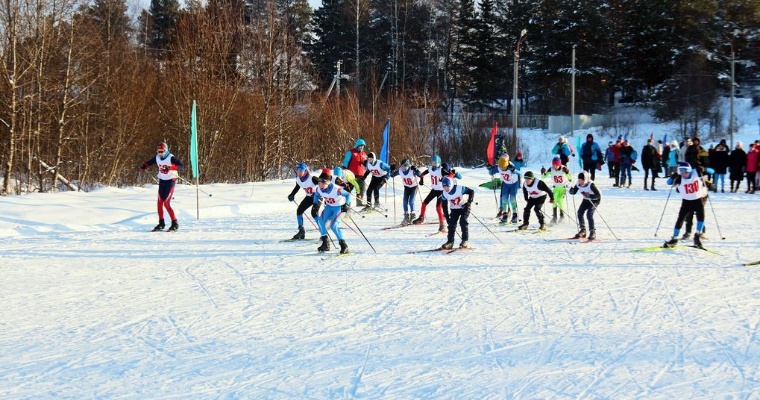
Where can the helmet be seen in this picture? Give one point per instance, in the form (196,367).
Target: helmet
(446,182)
(360,142)
(556,161)
(684,167)
(337,171)
(301,166)
(529,175)
(503,162)
(163,147)
(436,159)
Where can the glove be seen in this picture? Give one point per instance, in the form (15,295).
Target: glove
(393,167)
(467,206)
(551,201)
(164,169)
(543,170)
(314,211)
(573,190)
(291,197)
(344,208)
(422,180)
(414,168)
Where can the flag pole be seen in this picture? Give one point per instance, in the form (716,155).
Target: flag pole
(194,158)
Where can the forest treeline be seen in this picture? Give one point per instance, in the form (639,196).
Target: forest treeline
(87,90)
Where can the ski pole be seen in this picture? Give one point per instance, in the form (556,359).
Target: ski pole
(715,217)
(362,233)
(663,209)
(487,228)
(603,220)
(190,183)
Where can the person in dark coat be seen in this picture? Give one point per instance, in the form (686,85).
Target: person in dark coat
(592,156)
(719,160)
(648,161)
(736,163)
(697,156)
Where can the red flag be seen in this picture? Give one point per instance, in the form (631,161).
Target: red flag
(491,145)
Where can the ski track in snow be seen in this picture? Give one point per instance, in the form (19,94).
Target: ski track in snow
(223,309)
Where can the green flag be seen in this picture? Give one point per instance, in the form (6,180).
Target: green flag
(194,142)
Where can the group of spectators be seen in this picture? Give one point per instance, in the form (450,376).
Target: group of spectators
(661,160)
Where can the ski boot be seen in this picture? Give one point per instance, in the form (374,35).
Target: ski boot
(514,217)
(542,227)
(325,246)
(300,235)
(405,222)
(442,227)
(343,246)
(686,235)
(419,221)
(500,214)
(581,233)
(698,240)
(554,216)
(447,246)
(174,226)
(592,234)
(671,243)
(160,226)
(464,245)
(561,215)
(523,227)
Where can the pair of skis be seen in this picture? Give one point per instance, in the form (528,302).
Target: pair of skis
(445,251)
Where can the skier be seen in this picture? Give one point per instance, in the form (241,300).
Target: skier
(436,174)
(692,188)
(337,202)
(534,191)
(409,175)
(345,178)
(308,182)
(510,182)
(380,172)
(355,161)
(460,211)
(168,167)
(591,198)
(560,179)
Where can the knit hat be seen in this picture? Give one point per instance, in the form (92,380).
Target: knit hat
(589,136)
(556,161)
(582,175)
(503,162)
(371,155)
(301,166)
(446,182)
(163,149)
(684,167)
(405,162)
(529,175)
(518,155)
(324,177)
(337,171)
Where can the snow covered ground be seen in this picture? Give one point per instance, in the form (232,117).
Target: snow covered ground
(95,306)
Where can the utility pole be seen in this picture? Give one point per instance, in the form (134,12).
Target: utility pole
(733,87)
(572,96)
(514,92)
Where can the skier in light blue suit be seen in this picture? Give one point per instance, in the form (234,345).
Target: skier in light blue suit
(337,201)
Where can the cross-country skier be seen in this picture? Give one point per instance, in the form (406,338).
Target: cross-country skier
(534,191)
(337,201)
(380,172)
(692,188)
(409,175)
(168,167)
(308,182)
(510,182)
(560,179)
(346,179)
(460,211)
(591,199)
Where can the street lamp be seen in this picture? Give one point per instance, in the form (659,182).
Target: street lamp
(514,93)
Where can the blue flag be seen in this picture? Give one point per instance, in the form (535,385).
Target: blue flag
(386,142)
(194,142)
